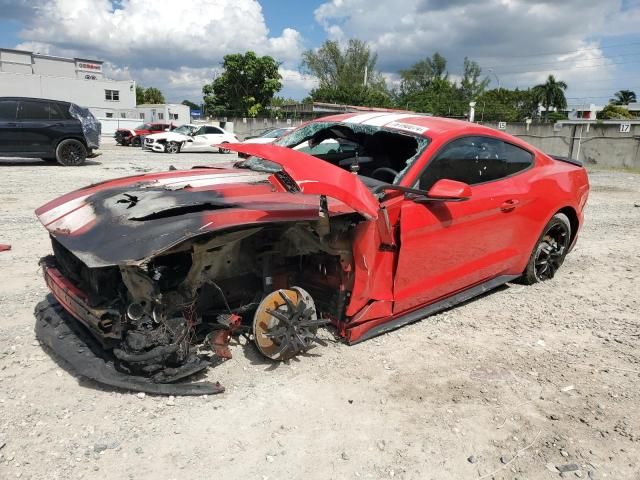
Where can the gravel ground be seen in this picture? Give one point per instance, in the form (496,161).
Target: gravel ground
(524,382)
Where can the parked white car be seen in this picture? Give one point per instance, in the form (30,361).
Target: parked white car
(269,136)
(190,138)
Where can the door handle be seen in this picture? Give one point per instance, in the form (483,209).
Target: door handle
(509,205)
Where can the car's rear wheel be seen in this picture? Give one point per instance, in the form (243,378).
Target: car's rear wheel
(172,147)
(71,153)
(550,250)
(223,150)
(135,142)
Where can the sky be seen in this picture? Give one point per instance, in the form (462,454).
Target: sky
(177,46)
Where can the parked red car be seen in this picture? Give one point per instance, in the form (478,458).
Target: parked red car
(386,219)
(126,136)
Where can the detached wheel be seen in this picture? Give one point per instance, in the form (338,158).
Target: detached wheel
(71,153)
(548,254)
(172,147)
(135,142)
(286,323)
(223,150)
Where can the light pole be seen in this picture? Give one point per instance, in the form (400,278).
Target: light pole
(494,74)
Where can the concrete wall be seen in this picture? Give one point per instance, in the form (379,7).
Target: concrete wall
(600,144)
(110,125)
(245,127)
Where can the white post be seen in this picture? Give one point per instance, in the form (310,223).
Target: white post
(472,111)
(366,71)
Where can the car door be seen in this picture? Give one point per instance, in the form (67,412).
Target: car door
(40,126)
(196,141)
(9,137)
(449,246)
(214,136)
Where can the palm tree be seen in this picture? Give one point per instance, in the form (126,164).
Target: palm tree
(551,94)
(623,97)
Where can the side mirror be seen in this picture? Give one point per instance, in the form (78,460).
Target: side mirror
(449,190)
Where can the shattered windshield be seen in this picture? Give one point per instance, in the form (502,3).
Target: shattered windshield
(184,129)
(377,154)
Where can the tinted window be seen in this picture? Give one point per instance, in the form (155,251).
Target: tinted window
(57,112)
(8,109)
(475,160)
(211,130)
(33,111)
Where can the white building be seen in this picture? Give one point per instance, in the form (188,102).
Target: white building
(171,112)
(81,81)
(77,80)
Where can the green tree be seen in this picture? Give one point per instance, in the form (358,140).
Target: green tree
(471,85)
(346,75)
(191,105)
(422,74)
(153,95)
(624,97)
(139,95)
(501,104)
(551,94)
(246,86)
(614,112)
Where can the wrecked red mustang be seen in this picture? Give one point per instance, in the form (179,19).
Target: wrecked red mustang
(362,223)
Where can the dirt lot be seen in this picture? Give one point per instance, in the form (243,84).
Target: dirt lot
(511,385)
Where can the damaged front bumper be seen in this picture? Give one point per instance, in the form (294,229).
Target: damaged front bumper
(88,357)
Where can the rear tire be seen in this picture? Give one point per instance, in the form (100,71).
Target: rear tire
(223,150)
(135,142)
(71,153)
(550,250)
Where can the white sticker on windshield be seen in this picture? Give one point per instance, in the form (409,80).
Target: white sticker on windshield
(407,126)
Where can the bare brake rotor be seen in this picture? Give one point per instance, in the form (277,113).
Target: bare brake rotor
(286,323)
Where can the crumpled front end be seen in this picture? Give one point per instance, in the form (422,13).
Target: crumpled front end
(91,127)
(163,271)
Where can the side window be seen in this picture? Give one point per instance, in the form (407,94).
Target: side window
(475,160)
(212,130)
(33,111)
(56,112)
(199,131)
(8,110)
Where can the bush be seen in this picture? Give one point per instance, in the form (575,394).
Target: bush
(614,112)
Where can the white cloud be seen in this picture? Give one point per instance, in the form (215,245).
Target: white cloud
(169,44)
(498,33)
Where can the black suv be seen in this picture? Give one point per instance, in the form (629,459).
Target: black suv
(47,129)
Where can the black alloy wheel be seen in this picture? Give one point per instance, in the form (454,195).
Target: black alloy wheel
(71,153)
(550,251)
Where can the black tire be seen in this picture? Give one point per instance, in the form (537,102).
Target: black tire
(550,250)
(172,147)
(223,150)
(71,153)
(135,142)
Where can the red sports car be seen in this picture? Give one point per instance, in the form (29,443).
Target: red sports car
(128,136)
(362,223)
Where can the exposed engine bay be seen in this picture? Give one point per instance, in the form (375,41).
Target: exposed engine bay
(176,313)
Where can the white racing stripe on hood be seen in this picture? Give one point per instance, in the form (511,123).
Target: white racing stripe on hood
(208,180)
(47,217)
(364,117)
(388,118)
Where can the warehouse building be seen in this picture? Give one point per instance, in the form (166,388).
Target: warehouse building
(81,81)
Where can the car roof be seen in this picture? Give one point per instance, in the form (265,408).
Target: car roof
(32,99)
(425,125)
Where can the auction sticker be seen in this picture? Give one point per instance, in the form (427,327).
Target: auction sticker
(407,127)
